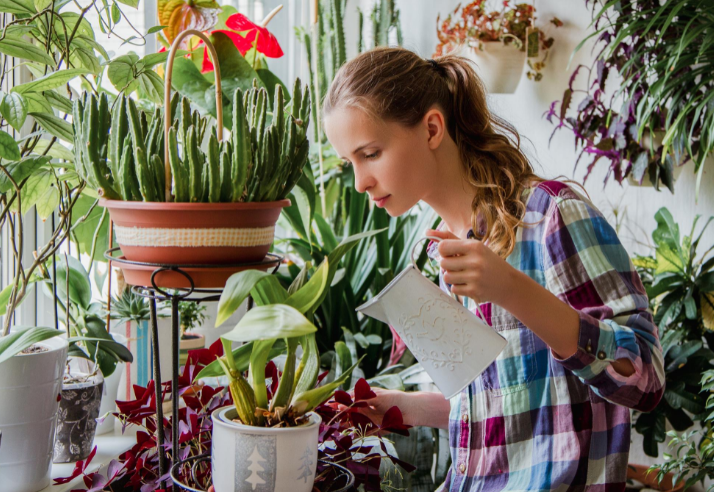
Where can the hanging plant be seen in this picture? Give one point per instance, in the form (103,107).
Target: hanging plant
(660,117)
(479,23)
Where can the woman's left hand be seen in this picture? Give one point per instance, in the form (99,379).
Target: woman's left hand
(473,269)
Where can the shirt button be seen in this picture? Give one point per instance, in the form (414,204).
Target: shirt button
(465,417)
(462,468)
(589,348)
(601,355)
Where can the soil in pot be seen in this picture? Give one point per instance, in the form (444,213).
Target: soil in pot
(81,397)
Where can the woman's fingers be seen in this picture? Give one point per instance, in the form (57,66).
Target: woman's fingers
(441,234)
(453,247)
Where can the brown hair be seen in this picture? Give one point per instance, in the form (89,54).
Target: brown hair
(395,84)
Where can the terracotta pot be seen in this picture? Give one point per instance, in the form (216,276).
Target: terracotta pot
(203,278)
(649,480)
(194,233)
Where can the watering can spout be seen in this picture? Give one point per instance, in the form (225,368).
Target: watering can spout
(374,309)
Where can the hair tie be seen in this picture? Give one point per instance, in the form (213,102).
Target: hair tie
(436,66)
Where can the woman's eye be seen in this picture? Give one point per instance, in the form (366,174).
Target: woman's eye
(372,155)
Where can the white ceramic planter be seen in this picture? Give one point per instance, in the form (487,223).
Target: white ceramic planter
(109,393)
(500,66)
(29,385)
(259,459)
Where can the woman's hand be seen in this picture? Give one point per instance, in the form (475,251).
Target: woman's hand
(473,270)
(417,407)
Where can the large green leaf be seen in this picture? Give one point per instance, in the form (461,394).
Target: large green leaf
(13,108)
(308,400)
(667,231)
(344,361)
(121,71)
(35,188)
(47,202)
(22,7)
(19,340)
(269,291)
(236,72)
(241,356)
(20,170)
(188,81)
(668,260)
(25,50)
(236,291)
(272,321)
(57,150)
(271,81)
(50,81)
(55,126)
(80,289)
(84,232)
(306,298)
(150,84)
(8,147)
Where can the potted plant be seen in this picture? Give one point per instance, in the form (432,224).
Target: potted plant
(499,41)
(94,356)
(680,286)
(664,75)
(191,316)
(255,441)
(219,205)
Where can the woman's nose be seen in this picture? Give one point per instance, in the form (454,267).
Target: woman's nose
(363,181)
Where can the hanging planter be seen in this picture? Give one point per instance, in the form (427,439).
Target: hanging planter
(500,42)
(207,201)
(499,65)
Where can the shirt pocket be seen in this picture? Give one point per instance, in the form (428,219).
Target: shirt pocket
(516,366)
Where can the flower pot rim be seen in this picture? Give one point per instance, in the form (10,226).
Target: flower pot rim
(94,380)
(218,417)
(188,206)
(51,344)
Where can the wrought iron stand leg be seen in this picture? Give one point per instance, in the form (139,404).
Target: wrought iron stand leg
(174,381)
(158,388)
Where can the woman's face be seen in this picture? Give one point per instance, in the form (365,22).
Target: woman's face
(392,163)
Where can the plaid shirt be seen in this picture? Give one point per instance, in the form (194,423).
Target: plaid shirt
(532,421)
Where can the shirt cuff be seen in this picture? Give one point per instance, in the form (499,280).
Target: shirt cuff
(597,348)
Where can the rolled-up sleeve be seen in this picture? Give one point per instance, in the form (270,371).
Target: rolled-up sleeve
(587,267)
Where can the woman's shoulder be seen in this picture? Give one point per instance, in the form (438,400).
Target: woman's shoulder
(545,197)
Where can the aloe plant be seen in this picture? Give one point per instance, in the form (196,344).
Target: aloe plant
(119,151)
(280,322)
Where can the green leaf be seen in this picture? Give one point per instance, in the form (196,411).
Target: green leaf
(116,13)
(80,289)
(272,321)
(308,400)
(121,71)
(13,108)
(20,170)
(58,101)
(22,7)
(271,81)
(25,50)
(48,202)
(152,85)
(18,341)
(237,289)
(154,29)
(668,260)
(84,232)
(130,3)
(344,361)
(55,126)
(8,147)
(37,103)
(306,298)
(241,355)
(50,81)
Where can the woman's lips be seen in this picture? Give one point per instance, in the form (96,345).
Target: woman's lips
(381,201)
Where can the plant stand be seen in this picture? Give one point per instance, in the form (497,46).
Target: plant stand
(156,292)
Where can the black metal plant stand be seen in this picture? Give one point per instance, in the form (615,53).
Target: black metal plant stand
(155,293)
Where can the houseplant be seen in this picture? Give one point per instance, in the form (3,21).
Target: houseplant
(680,284)
(499,41)
(248,177)
(191,316)
(658,50)
(55,46)
(284,419)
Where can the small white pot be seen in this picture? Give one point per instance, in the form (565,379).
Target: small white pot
(109,393)
(30,385)
(500,66)
(260,459)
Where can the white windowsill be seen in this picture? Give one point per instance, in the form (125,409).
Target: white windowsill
(109,447)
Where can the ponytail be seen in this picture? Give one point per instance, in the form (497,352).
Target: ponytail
(396,85)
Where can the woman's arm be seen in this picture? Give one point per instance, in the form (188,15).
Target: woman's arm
(419,408)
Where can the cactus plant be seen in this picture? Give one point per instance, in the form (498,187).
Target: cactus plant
(121,155)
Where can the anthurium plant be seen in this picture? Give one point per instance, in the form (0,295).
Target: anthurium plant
(281,320)
(680,284)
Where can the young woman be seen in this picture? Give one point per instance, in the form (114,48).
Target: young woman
(548,271)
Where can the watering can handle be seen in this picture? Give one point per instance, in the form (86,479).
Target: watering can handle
(438,239)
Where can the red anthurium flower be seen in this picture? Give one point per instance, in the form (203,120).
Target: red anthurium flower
(266,43)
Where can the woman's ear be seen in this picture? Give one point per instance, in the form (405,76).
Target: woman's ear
(436,126)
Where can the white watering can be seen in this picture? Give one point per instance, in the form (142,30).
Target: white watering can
(452,344)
